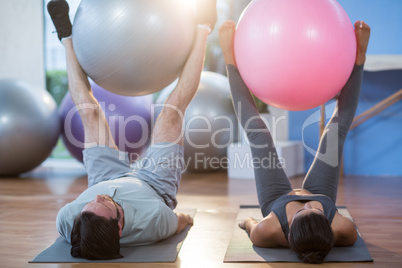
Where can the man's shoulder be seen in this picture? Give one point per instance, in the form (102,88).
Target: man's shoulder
(149,224)
(65,218)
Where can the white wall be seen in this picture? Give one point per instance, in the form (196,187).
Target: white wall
(21,41)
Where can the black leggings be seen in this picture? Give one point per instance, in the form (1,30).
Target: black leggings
(323,175)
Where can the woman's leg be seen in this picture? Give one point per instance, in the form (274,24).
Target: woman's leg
(96,128)
(271,181)
(323,176)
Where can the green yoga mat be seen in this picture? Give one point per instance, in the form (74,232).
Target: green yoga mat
(162,251)
(240,248)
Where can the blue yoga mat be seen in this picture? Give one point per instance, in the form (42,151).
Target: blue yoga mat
(162,251)
(240,248)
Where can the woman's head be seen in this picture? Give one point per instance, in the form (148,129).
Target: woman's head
(95,237)
(311,236)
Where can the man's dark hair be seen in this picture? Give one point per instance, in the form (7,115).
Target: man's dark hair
(95,237)
(311,237)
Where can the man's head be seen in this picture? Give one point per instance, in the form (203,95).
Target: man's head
(105,206)
(97,230)
(310,235)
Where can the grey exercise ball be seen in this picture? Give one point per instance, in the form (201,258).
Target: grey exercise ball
(133,47)
(210,123)
(29,126)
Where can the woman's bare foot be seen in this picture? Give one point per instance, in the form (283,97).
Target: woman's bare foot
(362,31)
(226,39)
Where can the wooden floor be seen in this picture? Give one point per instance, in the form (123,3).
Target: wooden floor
(29,205)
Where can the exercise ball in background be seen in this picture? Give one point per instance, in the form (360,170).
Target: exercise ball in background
(131,47)
(129,120)
(294,54)
(210,123)
(29,126)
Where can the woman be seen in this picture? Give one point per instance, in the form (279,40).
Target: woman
(306,220)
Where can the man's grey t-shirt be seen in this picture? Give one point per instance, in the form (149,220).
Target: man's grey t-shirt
(147,218)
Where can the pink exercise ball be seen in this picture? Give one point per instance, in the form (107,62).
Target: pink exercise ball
(129,120)
(294,54)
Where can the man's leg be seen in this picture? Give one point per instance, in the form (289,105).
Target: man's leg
(169,125)
(96,128)
(164,163)
(323,176)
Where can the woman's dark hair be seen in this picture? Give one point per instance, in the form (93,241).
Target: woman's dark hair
(311,237)
(95,237)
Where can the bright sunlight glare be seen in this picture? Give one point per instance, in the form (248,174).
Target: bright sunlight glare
(189,3)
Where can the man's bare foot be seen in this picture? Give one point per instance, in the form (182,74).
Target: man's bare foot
(362,31)
(206,12)
(226,38)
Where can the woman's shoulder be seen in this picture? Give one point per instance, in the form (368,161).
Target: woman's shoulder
(270,229)
(344,229)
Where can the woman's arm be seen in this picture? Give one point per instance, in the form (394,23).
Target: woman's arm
(264,233)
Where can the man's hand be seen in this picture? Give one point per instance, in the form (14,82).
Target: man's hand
(183,220)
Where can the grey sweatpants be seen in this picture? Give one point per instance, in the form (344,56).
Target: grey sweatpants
(323,175)
(160,168)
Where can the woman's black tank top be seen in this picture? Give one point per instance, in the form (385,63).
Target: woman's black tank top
(279,207)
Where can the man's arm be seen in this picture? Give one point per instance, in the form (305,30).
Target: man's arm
(182,221)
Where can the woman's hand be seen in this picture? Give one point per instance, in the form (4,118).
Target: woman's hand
(247,223)
(243,224)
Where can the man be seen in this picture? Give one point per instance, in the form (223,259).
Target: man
(125,206)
